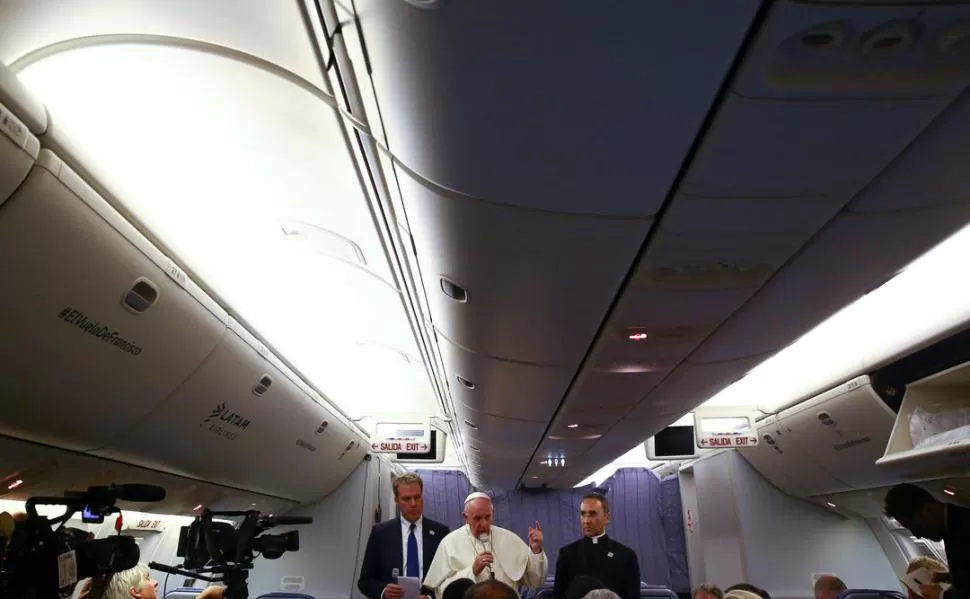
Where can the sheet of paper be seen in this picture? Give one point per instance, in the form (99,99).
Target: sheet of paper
(914,579)
(412,586)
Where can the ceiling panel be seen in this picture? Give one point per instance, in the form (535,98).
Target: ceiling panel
(528,103)
(780,148)
(876,49)
(495,386)
(852,256)
(535,284)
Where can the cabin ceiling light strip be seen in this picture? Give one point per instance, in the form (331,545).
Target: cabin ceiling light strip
(212,155)
(927,298)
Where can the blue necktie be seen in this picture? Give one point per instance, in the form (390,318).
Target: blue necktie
(413,571)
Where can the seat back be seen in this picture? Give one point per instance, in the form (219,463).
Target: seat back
(545,593)
(870,594)
(183,593)
(284,595)
(653,592)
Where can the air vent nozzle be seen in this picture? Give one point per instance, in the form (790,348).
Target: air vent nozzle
(142,296)
(265,382)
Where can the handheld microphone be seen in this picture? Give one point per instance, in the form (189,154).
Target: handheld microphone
(394,574)
(483,538)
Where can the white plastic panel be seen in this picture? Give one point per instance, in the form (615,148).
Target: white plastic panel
(512,389)
(18,150)
(72,349)
(18,98)
(807,50)
(543,114)
(776,148)
(276,35)
(216,427)
(782,462)
(842,431)
(928,173)
(848,443)
(850,257)
(537,283)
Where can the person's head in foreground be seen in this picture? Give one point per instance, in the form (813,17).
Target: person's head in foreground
(581,585)
(490,589)
(917,510)
(601,594)
(457,588)
(134,583)
(708,591)
(828,587)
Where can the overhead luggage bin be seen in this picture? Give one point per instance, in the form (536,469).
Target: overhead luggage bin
(931,435)
(236,420)
(18,151)
(98,326)
(826,444)
(28,469)
(537,104)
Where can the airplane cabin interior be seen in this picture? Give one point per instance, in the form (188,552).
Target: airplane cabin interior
(701,257)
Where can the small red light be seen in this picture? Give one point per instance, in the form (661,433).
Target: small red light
(15,484)
(637,337)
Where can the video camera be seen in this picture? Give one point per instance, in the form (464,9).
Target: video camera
(224,550)
(39,561)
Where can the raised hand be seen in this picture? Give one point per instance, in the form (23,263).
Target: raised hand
(535,538)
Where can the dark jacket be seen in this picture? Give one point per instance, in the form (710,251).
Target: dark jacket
(385,552)
(610,561)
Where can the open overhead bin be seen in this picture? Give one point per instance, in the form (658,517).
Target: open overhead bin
(99,327)
(931,433)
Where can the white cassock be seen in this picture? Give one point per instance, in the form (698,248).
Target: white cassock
(514,563)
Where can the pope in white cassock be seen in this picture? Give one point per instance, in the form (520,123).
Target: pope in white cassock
(479,551)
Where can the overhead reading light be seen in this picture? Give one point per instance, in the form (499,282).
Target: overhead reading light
(572,426)
(454,290)
(830,504)
(637,336)
(949,491)
(197,508)
(470,425)
(465,383)
(631,367)
(533,477)
(14,484)
(922,301)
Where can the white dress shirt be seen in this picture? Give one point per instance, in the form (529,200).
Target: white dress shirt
(419,536)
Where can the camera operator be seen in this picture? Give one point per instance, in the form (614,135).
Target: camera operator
(137,583)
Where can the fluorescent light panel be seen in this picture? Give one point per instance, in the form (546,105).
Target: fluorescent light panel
(927,298)
(216,158)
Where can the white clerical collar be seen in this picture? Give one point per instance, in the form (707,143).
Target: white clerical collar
(597,538)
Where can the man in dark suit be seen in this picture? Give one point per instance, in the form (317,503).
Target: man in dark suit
(597,555)
(406,543)
(924,516)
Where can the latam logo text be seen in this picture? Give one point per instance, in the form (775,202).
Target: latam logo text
(221,417)
(98,330)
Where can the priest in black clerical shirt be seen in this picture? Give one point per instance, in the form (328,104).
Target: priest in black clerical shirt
(597,555)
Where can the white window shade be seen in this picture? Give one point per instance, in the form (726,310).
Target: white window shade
(247,179)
